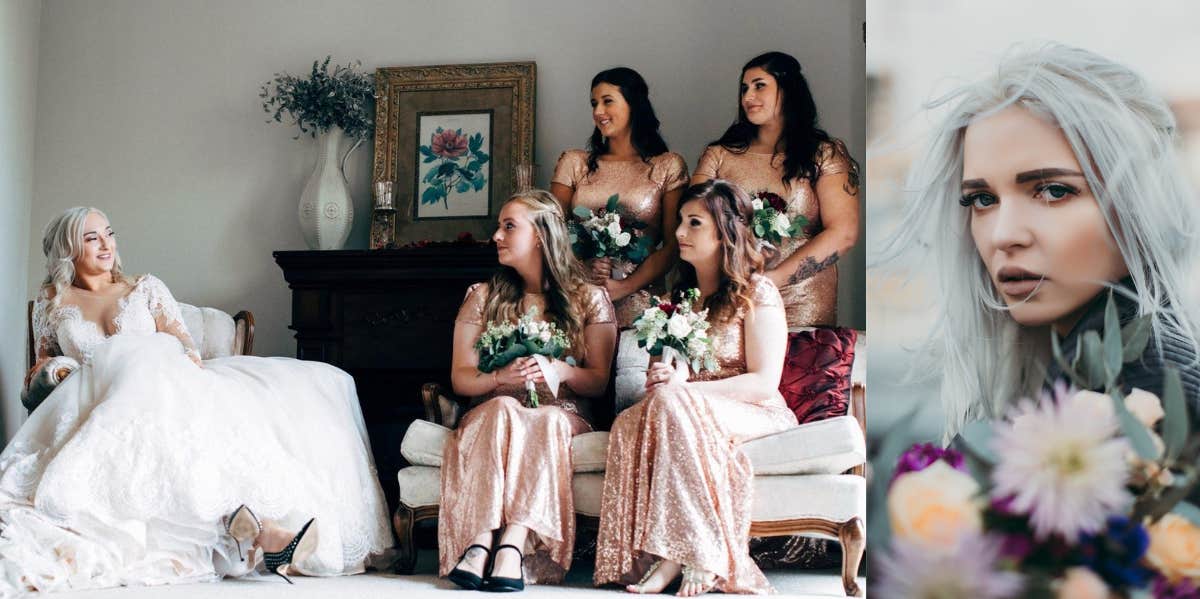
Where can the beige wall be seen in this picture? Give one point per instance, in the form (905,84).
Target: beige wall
(18,85)
(149,109)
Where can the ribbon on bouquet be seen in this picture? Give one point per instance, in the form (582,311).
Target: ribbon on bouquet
(549,374)
(672,357)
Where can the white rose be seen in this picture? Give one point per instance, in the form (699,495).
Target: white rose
(1098,403)
(545,336)
(1145,406)
(614,229)
(678,326)
(757,203)
(623,239)
(782,223)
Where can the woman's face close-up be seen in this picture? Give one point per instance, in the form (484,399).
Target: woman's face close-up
(516,238)
(697,234)
(99,246)
(610,111)
(760,96)
(1035,222)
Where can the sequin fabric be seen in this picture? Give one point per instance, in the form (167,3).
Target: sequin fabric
(677,486)
(507,463)
(813,301)
(640,186)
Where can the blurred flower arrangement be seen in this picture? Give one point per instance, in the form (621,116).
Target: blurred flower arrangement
(1079,494)
(677,331)
(606,233)
(343,98)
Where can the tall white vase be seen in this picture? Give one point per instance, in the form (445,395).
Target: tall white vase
(326,209)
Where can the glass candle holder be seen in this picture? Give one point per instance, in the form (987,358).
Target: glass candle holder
(383,195)
(523,177)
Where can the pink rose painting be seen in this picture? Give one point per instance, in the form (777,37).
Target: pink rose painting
(454,165)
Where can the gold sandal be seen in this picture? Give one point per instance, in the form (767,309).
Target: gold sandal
(705,579)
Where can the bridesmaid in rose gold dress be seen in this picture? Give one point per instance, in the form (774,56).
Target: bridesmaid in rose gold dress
(626,156)
(776,145)
(507,467)
(678,490)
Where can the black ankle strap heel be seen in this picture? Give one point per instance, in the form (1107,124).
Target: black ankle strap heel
(467,580)
(500,584)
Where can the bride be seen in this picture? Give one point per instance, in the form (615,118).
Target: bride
(135,468)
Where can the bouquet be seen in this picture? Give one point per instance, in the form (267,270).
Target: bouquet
(1077,495)
(503,342)
(607,234)
(771,223)
(676,331)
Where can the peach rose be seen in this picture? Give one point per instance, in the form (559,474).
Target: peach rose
(1175,548)
(934,507)
(1099,403)
(1145,406)
(1082,583)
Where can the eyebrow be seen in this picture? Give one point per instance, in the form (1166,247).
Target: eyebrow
(108,228)
(1025,177)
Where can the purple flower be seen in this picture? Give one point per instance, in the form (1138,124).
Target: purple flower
(922,455)
(1184,589)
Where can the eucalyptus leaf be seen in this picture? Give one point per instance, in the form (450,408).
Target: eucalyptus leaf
(1133,430)
(1112,342)
(1092,363)
(1189,511)
(1175,417)
(613,202)
(1135,335)
(977,438)
(582,212)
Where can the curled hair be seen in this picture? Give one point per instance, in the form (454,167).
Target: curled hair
(1122,135)
(565,283)
(643,124)
(803,139)
(731,211)
(62,244)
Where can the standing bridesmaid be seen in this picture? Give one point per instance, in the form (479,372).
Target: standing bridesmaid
(678,489)
(626,155)
(507,467)
(776,145)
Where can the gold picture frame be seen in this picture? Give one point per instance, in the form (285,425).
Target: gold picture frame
(479,119)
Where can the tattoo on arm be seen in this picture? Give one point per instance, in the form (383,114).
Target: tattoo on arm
(810,267)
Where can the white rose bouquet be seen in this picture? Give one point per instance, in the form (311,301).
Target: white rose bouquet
(771,223)
(676,331)
(501,343)
(605,233)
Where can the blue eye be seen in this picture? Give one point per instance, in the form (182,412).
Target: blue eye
(977,200)
(1052,192)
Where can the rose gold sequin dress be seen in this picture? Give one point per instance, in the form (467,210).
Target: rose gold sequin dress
(813,301)
(510,464)
(641,187)
(676,485)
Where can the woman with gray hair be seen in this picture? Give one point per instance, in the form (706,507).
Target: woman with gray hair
(1049,183)
(138,468)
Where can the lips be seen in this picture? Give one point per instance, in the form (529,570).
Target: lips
(1018,282)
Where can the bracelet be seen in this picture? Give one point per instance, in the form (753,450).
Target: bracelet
(495,381)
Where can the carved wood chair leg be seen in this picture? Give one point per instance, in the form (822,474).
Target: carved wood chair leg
(406,550)
(854,542)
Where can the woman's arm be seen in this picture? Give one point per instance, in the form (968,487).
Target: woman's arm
(590,379)
(465,376)
(838,201)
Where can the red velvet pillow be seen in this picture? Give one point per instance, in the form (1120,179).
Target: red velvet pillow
(816,373)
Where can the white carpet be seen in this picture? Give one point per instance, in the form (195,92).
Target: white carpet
(791,583)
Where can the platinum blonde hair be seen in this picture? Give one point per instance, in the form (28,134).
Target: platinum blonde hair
(62,244)
(1122,134)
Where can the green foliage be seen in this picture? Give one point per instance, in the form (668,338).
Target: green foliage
(343,98)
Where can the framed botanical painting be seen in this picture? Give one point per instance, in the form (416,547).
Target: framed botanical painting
(449,139)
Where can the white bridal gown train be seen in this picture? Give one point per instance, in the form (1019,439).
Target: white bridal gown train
(123,474)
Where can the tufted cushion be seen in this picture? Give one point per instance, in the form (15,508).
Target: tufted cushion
(425,442)
(816,373)
(837,497)
(829,446)
(420,485)
(212,330)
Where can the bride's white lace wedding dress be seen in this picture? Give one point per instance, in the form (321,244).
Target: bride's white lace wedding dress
(123,474)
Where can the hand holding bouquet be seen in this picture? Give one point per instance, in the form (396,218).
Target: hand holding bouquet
(771,223)
(675,331)
(607,234)
(503,342)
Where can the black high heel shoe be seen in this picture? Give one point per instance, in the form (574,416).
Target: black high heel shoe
(302,546)
(243,526)
(500,584)
(467,580)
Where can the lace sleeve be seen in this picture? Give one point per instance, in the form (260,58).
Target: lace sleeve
(167,317)
(45,340)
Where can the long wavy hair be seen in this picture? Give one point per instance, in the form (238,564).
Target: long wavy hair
(803,139)
(732,213)
(565,283)
(643,123)
(62,244)
(1122,134)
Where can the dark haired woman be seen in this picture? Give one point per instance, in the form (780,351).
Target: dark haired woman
(776,145)
(677,489)
(627,156)
(507,467)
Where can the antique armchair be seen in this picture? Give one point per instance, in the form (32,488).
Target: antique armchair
(216,335)
(808,480)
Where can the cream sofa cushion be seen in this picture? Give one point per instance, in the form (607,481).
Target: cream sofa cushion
(836,497)
(420,486)
(425,443)
(829,446)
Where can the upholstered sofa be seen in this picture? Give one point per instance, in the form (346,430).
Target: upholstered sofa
(808,480)
(216,334)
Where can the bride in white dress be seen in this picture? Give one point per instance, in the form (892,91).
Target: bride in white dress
(128,471)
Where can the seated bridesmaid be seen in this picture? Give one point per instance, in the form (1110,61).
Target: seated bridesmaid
(677,490)
(507,467)
(627,156)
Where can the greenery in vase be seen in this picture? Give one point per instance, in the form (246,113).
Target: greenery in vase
(343,98)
